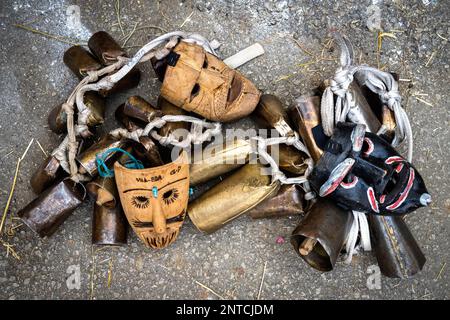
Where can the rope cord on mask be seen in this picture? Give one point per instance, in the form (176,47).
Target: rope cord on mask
(336,103)
(103,169)
(379,82)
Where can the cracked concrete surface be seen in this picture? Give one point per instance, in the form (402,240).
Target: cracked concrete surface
(230,261)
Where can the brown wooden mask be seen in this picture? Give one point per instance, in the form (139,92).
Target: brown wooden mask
(200,82)
(155,200)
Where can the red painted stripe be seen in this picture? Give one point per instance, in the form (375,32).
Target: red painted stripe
(371,147)
(358,143)
(373,202)
(405,192)
(333,187)
(382,198)
(393,159)
(399,168)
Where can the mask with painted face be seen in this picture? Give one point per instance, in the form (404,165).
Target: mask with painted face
(155,200)
(361,171)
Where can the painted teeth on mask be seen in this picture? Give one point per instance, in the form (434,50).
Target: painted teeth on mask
(160,242)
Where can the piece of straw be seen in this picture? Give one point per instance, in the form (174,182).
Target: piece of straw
(262,281)
(13,186)
(209,289)
(51,36)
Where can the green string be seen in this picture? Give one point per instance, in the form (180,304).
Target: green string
(103,169)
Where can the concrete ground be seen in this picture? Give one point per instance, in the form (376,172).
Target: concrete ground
(231,261)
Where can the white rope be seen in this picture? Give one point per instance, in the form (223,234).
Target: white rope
(195,136)
(66,152)
(277,174)
(380,82)
(360,226)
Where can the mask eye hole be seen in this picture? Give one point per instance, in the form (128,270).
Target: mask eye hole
(367,147)
(170,196)
(235,89)
(195,91)
(140,202)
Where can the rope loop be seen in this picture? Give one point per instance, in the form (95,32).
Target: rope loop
(105,172)
(382,83)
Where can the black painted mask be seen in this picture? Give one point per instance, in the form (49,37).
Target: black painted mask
(361,171)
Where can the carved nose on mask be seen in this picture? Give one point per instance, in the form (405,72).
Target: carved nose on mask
(159,221)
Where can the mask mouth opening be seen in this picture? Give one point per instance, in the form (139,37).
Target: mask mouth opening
(195,91)
(395,185)
(235,89)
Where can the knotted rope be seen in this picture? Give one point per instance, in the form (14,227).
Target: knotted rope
(379,82)
(194,136)
(67,150)
(198,136)
(105,172)
(277,174)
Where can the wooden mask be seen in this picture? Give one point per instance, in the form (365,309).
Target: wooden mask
(155,200)
(202,83)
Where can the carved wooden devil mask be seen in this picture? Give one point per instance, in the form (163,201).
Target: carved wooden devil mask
(361,171)
(155,200)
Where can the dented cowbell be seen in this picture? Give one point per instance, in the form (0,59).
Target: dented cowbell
(46,174)
(57,118)
(127,122)
(80,61)
(139,109)
(109,225)
(52,207)
(321,235)
(397,252)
